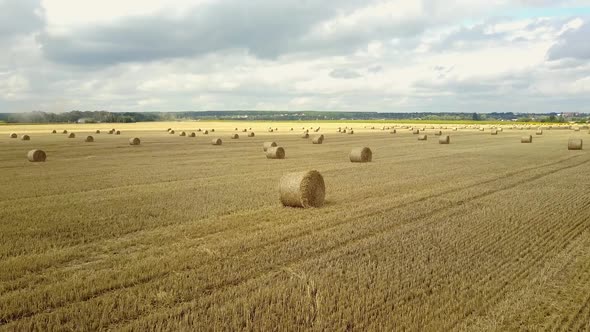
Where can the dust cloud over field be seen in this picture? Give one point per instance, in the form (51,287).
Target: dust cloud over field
(485,233)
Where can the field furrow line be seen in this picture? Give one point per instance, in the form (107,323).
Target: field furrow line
(332,248)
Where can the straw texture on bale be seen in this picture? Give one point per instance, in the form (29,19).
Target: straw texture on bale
(539,132)
(216,141)
(182,133)
(206,132)
(36,156)
(64,132)
(361,155)
(171,132)
(422,137)
(72,135)
(267,145)
(13,135)
(25,137)
(526,139)
(393,132)
(235,136)
(494,132)
(89,139)
(574,144)
(318,139)
(251,134)
(118,132)
(416,131)
(112,132)
(305,135)
(445,139)
(302,189)
(192,135)
(437,133)
(275,152)
(134,141)
(54,131)
(97,132)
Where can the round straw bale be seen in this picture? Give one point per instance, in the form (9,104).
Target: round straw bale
(275,152)
(216,141)
(212,130)
(361,155)
(576,128)
(270,130)
(199,130)
(169,129)
(13,135)
(182,133)
(236,129)
(113,130)
(134,141)
(317,129)
(235,136)
(97,131)
(244,130)
(118,132)
(344,131)
(574,144)
(171,132)
(481,129)
(267,145)
(302,189)
(445,139)
(54,131)
(494,132)
(206,132)
(305,135)
(291,129)
(64,132)
(437,133)
(89,139)
(72,135)
(339,130)
(192,134)
(36,156)
(318,139)
(25,137)
(539,132)
(455,129)
(393,132)
(350,132)
(416,131)
(501,129)
(422,137)
(526,139)
(251,134)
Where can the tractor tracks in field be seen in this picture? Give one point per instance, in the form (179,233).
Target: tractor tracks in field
(297,260)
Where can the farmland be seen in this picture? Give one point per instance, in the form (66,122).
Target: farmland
(484,233)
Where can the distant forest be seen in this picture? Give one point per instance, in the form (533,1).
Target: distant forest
(112,117)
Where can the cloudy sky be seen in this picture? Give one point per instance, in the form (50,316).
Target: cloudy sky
(345,55)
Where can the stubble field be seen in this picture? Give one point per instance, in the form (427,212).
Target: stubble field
(485,233)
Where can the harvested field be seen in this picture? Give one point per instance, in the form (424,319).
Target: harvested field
(178,234)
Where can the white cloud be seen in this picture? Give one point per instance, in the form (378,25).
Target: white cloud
(377,55)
